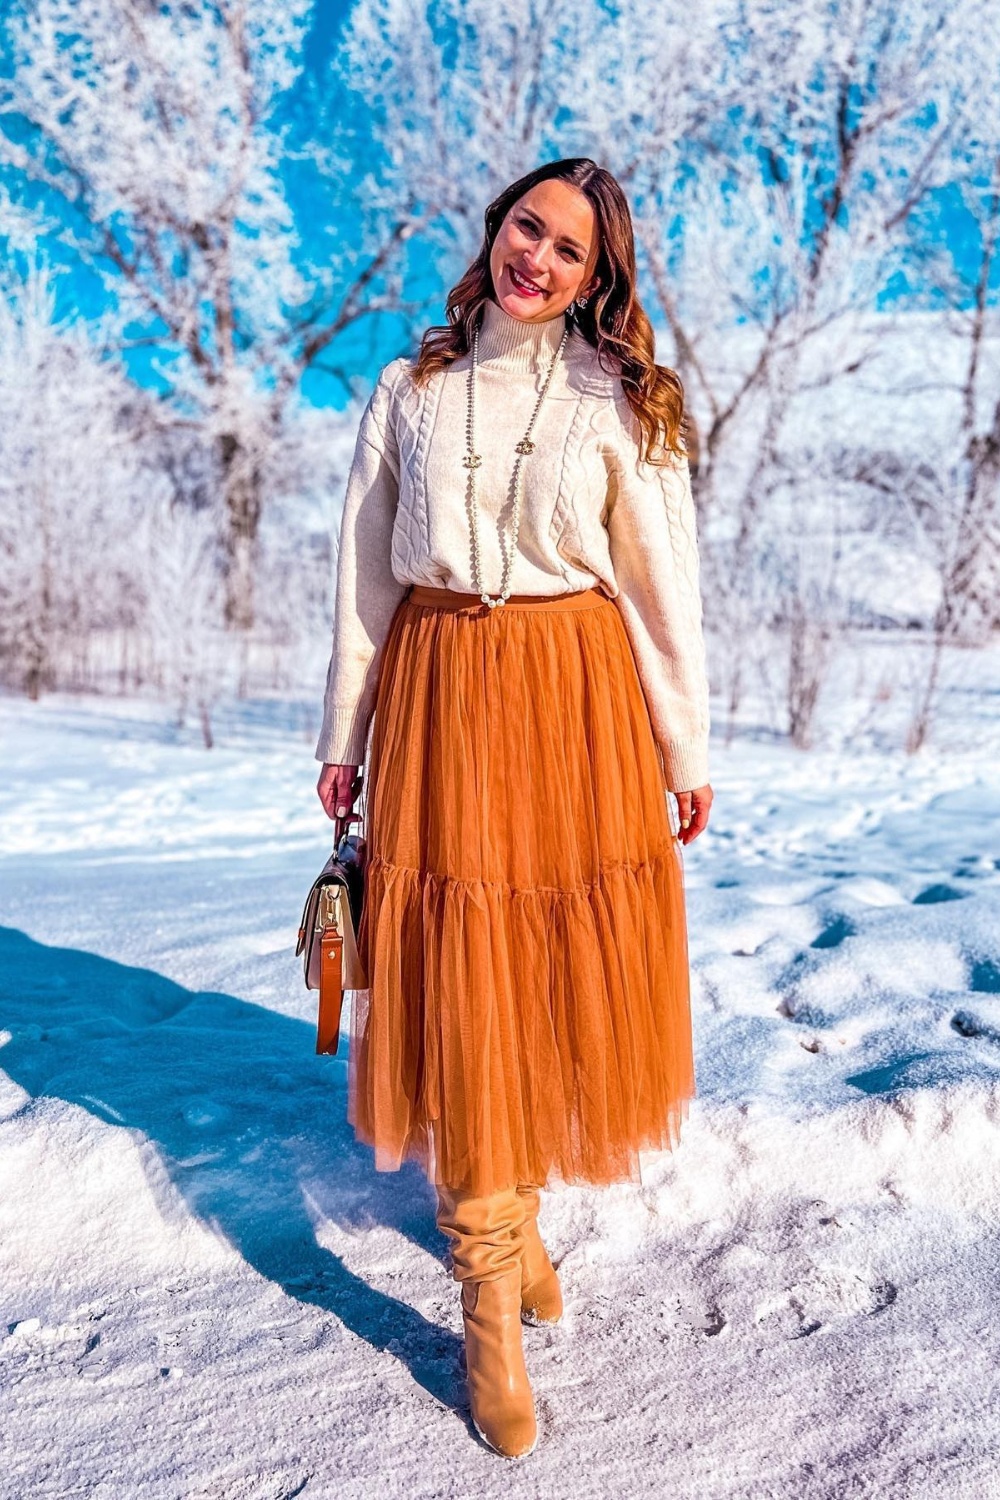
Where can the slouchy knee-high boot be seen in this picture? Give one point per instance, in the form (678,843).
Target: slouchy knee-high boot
(541,1296)
(486,1260)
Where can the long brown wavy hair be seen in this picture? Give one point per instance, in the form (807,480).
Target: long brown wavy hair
(613,321)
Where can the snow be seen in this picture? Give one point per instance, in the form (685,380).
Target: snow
(209,1292)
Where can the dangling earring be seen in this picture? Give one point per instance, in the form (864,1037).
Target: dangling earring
(582,301)
(571,309)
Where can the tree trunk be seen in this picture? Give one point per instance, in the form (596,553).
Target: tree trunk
(38,655)
(971,583)
(242,493)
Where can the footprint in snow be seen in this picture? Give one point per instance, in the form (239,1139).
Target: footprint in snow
(30,1339)
(937,893)
(985,977)
(834,1294)
(969,1025)
(834,933)
(694,1314)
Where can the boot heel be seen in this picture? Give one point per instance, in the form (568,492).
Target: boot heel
(541,1294)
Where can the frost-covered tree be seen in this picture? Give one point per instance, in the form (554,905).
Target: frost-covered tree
(776,193)
(182,606)
(780,161)
(461,97)
(71,482)
(109,565)
(155,135)
(786,167)
(968,278)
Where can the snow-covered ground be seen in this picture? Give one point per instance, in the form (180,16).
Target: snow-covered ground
(207,1291)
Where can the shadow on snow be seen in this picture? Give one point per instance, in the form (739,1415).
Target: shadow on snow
(249,1124)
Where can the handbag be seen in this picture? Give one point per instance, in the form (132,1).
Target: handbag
(331,919)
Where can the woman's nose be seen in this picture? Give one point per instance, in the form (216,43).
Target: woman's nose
(537,258)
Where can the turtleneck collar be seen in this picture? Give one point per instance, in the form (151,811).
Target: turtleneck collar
(514,344)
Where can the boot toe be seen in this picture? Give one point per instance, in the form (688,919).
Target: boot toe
(516,1437)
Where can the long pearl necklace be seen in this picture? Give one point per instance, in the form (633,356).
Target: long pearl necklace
(472,461)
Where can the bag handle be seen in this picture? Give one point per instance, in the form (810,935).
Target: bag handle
(340,825)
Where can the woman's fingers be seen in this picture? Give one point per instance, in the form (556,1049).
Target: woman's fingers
(693,808)
(325,790)
(346,798)
(347,795)
(338,788)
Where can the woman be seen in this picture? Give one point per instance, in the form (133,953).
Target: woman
(517,609)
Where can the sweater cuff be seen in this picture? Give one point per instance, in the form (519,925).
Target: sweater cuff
(685,763)
(343,737)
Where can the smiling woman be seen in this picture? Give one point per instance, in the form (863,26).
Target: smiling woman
(544,255)
(527,1016)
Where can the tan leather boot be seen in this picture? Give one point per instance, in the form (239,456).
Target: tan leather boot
(486,1260)
(541,1295)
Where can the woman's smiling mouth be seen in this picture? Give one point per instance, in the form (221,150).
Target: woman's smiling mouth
(524,286)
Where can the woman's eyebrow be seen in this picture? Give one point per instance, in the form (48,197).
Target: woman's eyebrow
(567,238)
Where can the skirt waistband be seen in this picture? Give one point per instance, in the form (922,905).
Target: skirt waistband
(423,594)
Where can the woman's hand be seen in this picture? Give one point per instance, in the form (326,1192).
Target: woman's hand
(339,788)
(694,807)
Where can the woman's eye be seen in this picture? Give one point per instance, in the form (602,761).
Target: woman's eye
(531,228)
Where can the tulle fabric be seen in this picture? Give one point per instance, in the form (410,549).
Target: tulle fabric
(527,1017)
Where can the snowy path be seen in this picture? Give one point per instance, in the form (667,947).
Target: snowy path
(208,1292)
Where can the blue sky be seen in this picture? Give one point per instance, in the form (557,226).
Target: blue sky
(328,17)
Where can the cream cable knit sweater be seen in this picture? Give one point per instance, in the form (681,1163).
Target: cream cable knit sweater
(592,514)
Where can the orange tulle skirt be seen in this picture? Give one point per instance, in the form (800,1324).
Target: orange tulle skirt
(527,1017)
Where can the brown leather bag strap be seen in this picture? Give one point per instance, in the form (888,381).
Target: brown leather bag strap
(331,994)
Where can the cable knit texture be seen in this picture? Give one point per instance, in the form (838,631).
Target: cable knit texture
(592,514)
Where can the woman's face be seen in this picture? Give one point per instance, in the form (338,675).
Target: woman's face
(545,251)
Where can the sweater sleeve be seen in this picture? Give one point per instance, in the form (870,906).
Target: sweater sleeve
(654,552)
(366,591)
